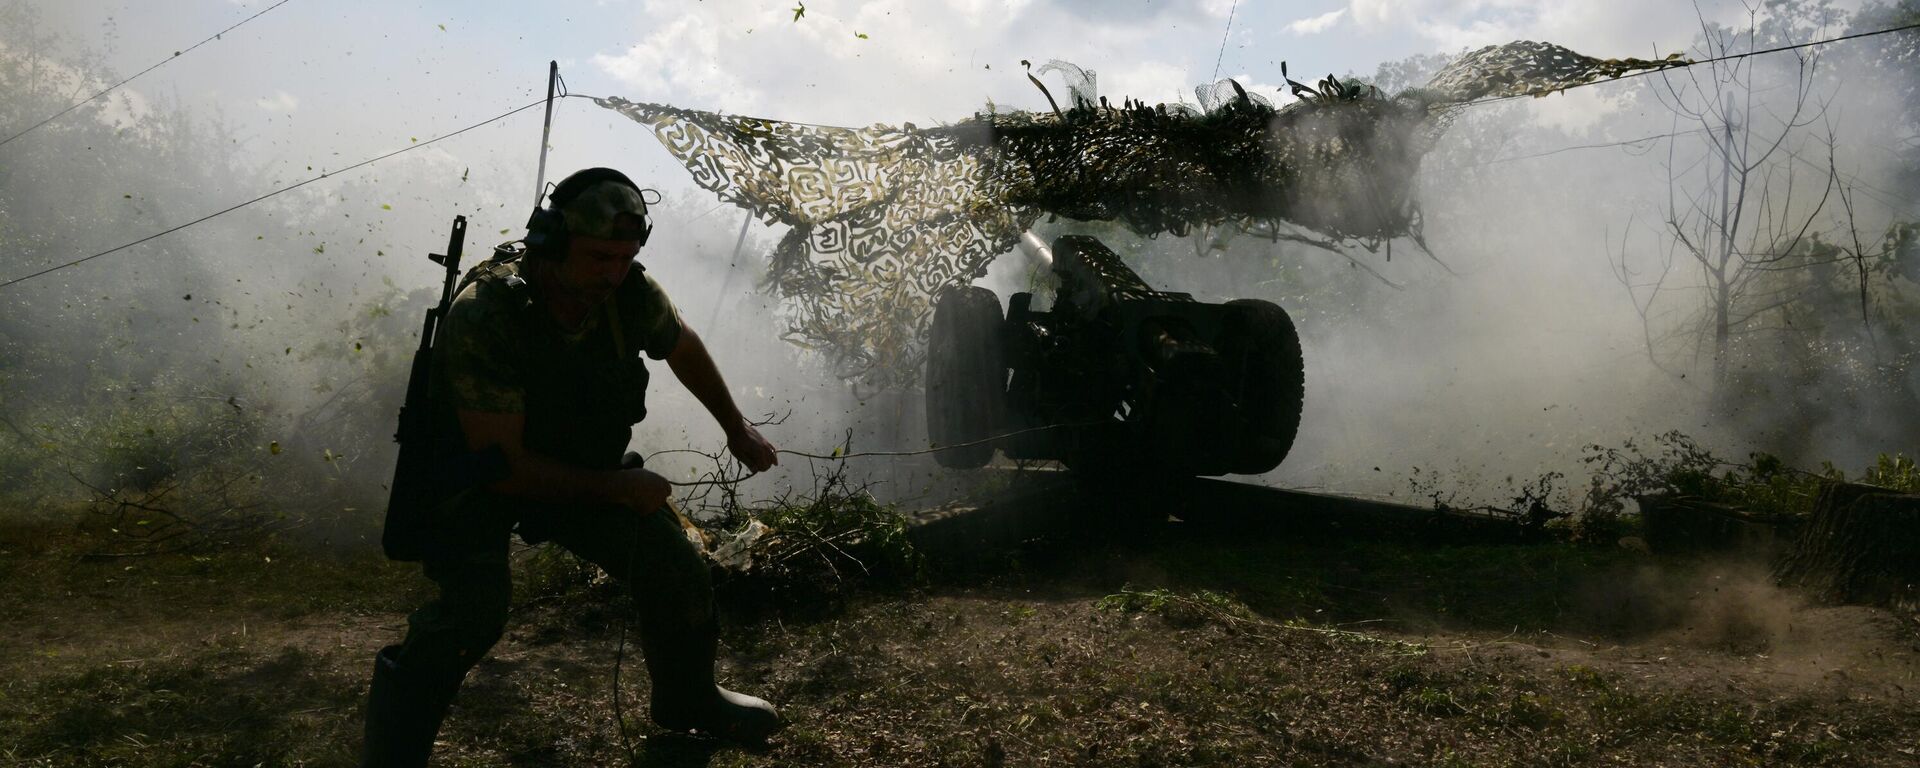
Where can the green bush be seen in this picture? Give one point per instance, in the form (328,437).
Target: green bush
(1679,466)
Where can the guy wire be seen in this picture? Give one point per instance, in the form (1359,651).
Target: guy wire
(1223,40)
(1683,64)
(1675,65)
(282,190)
(156,65)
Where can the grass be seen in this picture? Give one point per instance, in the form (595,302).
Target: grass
(1191,648)
(272,577)
(245,707)
(1326,579)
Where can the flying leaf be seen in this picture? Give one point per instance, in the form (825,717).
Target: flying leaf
(861,35)
(385,207)
(274,447)
(443,27)
(799,11)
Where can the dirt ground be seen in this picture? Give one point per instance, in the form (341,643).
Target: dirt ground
(1185,646)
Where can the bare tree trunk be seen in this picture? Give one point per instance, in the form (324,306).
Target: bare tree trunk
(1723,290)
(1858,547)
(1722,333)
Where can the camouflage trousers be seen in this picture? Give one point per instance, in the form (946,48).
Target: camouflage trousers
(672,591)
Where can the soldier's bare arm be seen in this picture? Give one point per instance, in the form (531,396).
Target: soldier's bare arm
(694,367)
(537,477)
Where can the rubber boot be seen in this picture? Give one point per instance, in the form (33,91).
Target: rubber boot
(685,696)
(403,714)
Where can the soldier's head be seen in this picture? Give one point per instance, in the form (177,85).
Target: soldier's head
(593,226)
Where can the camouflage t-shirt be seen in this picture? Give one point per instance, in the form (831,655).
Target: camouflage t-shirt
(497,344)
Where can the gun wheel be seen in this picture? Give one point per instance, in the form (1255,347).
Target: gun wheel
(966,375)
(1272,382)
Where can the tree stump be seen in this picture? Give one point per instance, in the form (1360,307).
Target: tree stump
(1860,546)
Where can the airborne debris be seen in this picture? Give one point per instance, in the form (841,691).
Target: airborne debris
(883,218)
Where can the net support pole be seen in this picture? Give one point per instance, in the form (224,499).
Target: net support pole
(733,267)
(546,130)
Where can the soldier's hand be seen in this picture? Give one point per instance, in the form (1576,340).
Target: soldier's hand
(644,490)
(750,448)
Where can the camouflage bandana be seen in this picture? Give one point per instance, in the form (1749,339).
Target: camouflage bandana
(608,211)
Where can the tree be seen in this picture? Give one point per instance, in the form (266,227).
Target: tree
(1739,208)
(1801,290)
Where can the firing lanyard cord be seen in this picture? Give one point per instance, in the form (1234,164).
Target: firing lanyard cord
(935,449)
(864,454)
(620,652)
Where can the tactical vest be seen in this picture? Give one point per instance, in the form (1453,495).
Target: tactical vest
(582,396)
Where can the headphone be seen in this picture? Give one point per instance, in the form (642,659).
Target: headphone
(547,235)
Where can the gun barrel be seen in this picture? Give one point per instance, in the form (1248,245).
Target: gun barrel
(1036,249)
(456,243)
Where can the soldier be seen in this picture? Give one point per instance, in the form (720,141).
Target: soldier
(540,362)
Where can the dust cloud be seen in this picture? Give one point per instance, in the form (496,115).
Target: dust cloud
(1497,358)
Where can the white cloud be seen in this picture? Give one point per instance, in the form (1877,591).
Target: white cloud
(1622,28)
(1150,81)
(280,102)
(1314,25)
(685,56)
(1218,8)
(858,63)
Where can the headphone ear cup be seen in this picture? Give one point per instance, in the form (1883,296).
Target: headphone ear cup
(547,234)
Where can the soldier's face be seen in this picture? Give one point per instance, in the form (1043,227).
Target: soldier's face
(595,267)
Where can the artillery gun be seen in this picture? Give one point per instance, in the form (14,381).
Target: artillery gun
(1113,377)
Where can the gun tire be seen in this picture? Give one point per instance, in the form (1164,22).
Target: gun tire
(1272,385)
(966,375)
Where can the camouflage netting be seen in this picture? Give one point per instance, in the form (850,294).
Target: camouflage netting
(882,218)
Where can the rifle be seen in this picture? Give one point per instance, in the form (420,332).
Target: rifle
(428,470)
